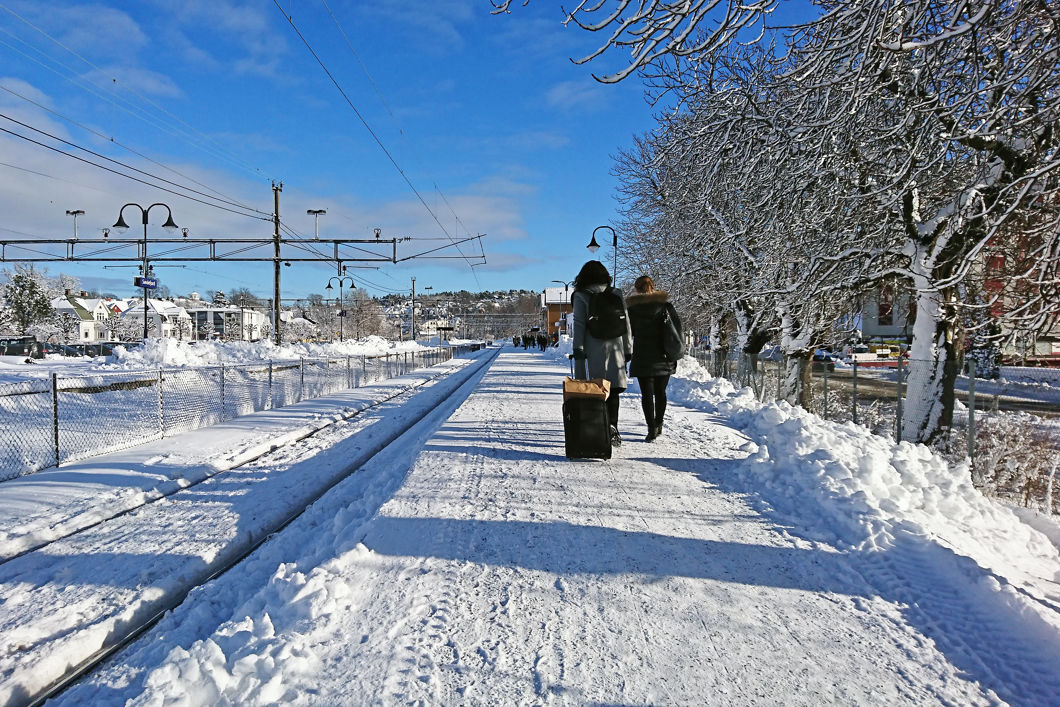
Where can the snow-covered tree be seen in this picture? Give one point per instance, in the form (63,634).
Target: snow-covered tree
(25,298)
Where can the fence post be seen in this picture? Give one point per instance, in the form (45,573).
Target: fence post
(161,410)
(825,390)
(271,403)
(55,415)
(349,372)
(854,398)
(301,378)
(971,414)
(898,414)
(222,391)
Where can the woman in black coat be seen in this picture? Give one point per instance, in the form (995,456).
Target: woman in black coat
(650,365)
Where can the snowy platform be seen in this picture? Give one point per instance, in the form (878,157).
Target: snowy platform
(752,555)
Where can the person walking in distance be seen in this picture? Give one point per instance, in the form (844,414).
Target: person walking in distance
(654,322)
(603,341)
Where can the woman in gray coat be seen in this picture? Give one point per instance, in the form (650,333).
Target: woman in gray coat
(600,357)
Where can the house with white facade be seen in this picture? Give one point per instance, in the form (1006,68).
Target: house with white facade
(86,320)
(165,319)
(228,322)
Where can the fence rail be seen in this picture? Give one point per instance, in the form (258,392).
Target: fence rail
(1013,454)
(47,422)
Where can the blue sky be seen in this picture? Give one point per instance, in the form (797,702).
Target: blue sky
(486,116)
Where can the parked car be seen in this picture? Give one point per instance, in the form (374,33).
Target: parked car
(822,362)
(20,346)
(100,348)
(60,349)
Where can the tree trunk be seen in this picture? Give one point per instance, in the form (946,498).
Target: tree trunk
(933,368)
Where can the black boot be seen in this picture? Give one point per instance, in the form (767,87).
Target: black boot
(657,430)
(653,432)
(616,439)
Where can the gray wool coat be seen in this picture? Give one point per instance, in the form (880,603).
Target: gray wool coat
(606,358)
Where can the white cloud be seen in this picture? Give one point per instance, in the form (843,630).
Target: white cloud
(578,96)
(131,78)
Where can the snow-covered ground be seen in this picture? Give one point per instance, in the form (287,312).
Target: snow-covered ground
(754,554)
(169,353)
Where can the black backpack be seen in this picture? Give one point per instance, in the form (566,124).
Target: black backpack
(607,315)
(671,336)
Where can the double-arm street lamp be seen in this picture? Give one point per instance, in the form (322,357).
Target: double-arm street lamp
(342,279)
(121,226)
(563,304)
(594,246)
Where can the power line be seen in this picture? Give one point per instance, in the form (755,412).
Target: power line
(127,176)
(364,122)
(400,130)
(134,169)
(124,147)
(133,108)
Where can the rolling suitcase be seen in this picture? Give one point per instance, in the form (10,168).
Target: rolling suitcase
(586,430)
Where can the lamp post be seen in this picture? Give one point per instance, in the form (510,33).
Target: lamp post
(427,290)
(316,214)
(563,304)
(121,226)
(594,246)
(341,279)
(75,213)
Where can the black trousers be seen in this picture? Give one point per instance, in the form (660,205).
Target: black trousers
(612,405)
(653,398)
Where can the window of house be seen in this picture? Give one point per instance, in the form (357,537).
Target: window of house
(885,306)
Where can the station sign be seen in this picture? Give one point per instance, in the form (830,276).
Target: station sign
(148,283)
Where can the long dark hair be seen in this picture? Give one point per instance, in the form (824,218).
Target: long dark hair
(592,273)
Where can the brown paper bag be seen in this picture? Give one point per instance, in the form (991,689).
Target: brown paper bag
(595,388)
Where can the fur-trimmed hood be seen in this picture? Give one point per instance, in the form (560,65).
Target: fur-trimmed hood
(659,297)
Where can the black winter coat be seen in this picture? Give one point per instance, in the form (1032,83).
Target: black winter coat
(645,318)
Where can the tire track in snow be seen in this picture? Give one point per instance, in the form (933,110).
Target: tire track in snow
(920,576)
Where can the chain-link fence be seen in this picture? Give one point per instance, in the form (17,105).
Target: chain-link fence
(1009,430)
(45,422)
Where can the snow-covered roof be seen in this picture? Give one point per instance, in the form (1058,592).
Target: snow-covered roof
(556,295)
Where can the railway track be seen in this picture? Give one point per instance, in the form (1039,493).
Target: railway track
(875,389)
(129,605)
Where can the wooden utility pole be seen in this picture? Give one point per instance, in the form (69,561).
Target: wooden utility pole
(276,189)
(412,326)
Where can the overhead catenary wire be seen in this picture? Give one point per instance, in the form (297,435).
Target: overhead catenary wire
(132,108)
(364,122)
(262,215)
(127,176)
(400,130)
(122,146)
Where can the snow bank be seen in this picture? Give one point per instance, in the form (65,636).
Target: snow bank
(167,353)
(1026,374)
(841,484)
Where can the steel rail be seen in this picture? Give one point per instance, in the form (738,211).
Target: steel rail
(446,405)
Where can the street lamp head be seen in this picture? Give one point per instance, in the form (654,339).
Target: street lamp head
(120,226)
(316,212)
(329,287)
(75,212)
(170,224)
(593,245)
